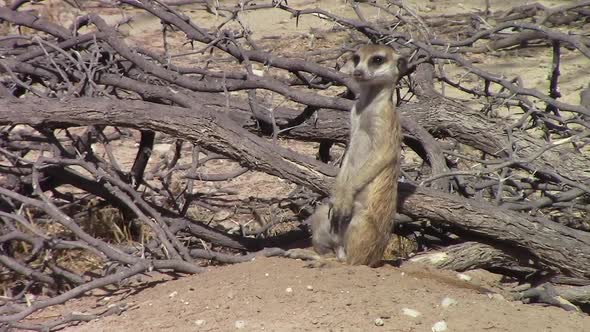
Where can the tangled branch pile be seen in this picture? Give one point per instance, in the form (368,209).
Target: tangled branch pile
(497,174)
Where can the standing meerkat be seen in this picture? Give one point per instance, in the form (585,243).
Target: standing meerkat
(357,225)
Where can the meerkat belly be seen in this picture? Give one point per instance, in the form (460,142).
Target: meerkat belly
(360,147)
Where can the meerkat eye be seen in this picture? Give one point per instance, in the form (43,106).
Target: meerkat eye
(355,59)
(378,60)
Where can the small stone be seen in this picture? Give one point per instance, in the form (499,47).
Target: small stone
(463,277)
(497,297)
(162,148)
(289,290)
(447,302)
(173,294)
(439,326)
(411,312)
(379,321)
(200,322)
(309,287)
(240,324)
(266,274)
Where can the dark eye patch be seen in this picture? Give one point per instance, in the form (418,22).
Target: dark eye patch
(355,59)
(377,60)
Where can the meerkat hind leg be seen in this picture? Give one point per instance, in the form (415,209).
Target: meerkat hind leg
(329,261)
(325,243)
(365,241)
(303,254)
(313,258)
(323,262)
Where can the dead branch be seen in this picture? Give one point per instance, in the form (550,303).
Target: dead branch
(483,165)
(533,234)
(472,255)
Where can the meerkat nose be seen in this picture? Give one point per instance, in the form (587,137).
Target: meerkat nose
(357,73)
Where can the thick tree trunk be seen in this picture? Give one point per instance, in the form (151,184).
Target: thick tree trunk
(444,118)
(474,255)
(553,246)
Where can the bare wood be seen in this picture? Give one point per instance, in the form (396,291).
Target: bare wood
(474,255)
(553,182)
(555,247)
(548,242)
(211,130)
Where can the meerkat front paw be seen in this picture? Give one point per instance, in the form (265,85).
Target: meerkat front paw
(340,213)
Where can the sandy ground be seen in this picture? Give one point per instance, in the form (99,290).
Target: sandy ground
(278,294)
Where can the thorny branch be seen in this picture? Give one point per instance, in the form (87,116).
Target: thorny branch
(523,149)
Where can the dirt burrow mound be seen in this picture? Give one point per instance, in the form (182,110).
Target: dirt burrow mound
(275,294)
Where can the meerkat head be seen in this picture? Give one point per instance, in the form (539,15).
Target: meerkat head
(376,65)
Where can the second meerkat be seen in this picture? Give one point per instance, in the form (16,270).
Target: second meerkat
(358,225)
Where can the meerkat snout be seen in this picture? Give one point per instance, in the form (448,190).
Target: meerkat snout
(358,74)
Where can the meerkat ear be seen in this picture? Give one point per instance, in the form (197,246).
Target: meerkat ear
(348,65)
(402,65)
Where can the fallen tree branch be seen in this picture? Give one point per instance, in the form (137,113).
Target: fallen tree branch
(553,246)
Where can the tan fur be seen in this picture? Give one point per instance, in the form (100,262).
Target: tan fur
(323,240)
(358,226)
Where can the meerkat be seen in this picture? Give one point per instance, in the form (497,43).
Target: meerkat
(324,241)
(357,223)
